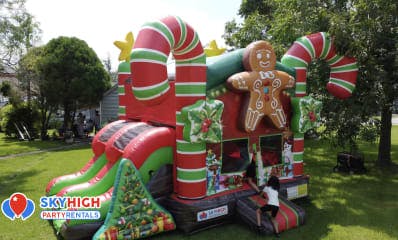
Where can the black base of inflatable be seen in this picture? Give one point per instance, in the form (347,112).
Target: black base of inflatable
(189,215)
(196,215)
(80,232)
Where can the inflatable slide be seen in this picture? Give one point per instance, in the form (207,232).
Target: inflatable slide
(132,141)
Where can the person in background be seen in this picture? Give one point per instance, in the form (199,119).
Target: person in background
(251,176)
(96,122)
(80,124)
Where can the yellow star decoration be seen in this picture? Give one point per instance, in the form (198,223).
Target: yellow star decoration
(213,50)
(125,47)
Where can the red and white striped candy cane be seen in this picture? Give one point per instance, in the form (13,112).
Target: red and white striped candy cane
(343,76)
(343,70)
(150,85)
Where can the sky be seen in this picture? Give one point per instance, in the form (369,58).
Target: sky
(101,22)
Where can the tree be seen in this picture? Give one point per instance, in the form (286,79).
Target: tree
(364,29)
(10,91)
(72,75)
(30,76)
(108,67)
(369,31)
(18,32)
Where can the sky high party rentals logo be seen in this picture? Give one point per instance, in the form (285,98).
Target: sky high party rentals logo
(18,206)
(70,208)
(54,208)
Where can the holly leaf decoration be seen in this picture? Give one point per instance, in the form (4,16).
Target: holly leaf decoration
(306,114)
(202,121)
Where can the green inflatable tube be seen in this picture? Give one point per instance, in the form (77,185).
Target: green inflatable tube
(158,158)
(89,174)
(220,68)
(99,187)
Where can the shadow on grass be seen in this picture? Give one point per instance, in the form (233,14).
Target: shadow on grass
(339,199)
(11,182)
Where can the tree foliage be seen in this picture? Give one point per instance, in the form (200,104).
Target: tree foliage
(12,117)
(10,91)
(31,80)
(72,75)
(18,32)
(365,29)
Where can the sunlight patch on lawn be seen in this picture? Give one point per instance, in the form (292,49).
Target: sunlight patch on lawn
(355,233)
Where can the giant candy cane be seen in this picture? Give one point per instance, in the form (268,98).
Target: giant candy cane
(343,75)
(150,85)
(343,70)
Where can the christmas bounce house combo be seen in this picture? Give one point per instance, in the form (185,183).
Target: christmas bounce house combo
(178,156)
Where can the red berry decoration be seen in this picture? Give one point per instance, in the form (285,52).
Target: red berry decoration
(312,116)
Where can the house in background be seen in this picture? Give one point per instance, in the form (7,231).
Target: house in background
(109,105)
(7,77)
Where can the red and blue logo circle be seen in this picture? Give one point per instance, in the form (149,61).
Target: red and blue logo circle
(18,206)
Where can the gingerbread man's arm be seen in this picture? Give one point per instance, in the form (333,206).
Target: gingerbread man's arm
(242,81)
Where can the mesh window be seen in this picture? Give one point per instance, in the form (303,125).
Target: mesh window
(130,134)
(112,130)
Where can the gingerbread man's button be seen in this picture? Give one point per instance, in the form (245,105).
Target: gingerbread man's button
(264,85)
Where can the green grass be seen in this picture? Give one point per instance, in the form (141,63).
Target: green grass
(341,206)
(10,146)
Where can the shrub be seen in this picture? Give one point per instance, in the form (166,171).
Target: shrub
(370,131)
(22,114)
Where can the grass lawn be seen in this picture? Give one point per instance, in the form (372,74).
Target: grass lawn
(340,206)
(13,146)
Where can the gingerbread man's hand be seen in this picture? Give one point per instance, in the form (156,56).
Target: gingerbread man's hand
(241,81)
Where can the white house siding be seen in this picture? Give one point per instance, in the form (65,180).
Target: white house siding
(109,106)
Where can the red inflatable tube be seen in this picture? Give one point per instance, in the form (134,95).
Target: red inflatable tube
(149,141)
(343,70)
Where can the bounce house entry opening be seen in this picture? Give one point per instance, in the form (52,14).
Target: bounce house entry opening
(225,164)
(271,150)
(235,156)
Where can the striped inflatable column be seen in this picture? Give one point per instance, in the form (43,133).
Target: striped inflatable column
(148,59)
(123,77)
(343,76)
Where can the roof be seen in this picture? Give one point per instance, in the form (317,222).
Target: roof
(109,91)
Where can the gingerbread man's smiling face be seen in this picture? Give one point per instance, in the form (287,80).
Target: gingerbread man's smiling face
(259,56)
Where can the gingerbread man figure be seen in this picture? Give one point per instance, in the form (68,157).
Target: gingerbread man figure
(264,85)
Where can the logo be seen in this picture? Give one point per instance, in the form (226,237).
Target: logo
(212,213)
(18,206)
(70,208)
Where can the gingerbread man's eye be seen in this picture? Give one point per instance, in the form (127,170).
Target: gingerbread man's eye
(259,56)
(268,56)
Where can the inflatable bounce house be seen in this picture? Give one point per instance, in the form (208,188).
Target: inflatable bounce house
(189,125)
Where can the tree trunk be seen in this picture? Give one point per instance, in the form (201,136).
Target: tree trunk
(384,156)
(43,130)
(66,117)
